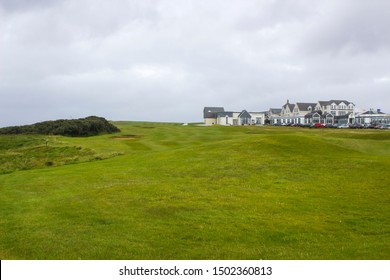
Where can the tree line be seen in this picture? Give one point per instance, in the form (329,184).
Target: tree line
(83,127)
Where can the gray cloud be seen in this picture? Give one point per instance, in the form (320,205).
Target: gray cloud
(164,60)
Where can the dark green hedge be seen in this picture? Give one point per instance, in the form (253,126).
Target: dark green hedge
(89,126)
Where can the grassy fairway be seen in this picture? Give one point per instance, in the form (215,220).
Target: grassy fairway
(161,191)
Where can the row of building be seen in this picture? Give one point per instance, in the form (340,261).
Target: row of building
(332,112)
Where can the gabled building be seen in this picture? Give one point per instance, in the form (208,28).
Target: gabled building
(325,112)
(301,113)
(210,114)
(271,115)
(286,115)
(372,117)
(287,109)
(335,107)
(217,115)
(301,110)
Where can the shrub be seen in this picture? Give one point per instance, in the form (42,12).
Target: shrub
(89,126)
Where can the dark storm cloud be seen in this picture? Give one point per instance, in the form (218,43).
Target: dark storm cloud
(166,59)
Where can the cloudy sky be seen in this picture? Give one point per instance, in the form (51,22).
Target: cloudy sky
(164,60)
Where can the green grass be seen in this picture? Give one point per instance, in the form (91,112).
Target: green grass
(165,191)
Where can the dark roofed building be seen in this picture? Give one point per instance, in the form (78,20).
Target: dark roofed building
(287,109)
(373,117)
(244,117)
(305,107)
(210,114)
(275,111)
(336,107)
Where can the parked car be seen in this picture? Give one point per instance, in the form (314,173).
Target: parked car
(343,126)
(368,125)
(317,125)
(384,126)
(297,125)
(356,126)
(331,126)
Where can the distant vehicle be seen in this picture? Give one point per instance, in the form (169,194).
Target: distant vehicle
(368,125)
(356,126)
(384,126)
(317,125)
(343,126)
(331,126)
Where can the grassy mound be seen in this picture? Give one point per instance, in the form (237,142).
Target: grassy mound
(89,126)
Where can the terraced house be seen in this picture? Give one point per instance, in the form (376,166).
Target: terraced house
(301,113)
(293,113)
(332,112)
(326,112)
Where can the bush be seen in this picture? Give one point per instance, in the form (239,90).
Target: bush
(89,126)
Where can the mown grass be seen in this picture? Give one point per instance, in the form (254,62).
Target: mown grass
(166,191)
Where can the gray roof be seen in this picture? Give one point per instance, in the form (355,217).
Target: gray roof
(291,106)
(337,102)
(371,112)
(309,115)
(305,106)
(211,112)
(244,114)
(275,111)
(224,114)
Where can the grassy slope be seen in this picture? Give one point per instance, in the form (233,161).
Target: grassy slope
(205,193)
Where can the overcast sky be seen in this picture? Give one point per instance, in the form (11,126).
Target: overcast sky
(164,60)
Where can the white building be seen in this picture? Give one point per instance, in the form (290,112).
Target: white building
(372,117)
(217,115)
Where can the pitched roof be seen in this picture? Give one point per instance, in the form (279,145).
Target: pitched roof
(305,106)
(290,106)
(337,102)
(372,112)
(224,114)
(275,111)
(309,115)
(340,101)
(324,103)
(211,112)
(244,114)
